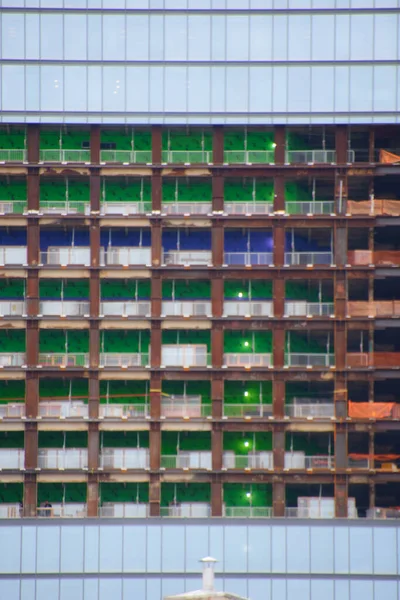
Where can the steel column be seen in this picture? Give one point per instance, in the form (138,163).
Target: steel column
(217,193)
(156,191)
(156,144)
(341,143)
(217,296)
(280,141)
(33,142)
(341,496)
(30,495)
(217,345)
(93,495)
(216,498)
(278,497)
(95,141)
(217,244)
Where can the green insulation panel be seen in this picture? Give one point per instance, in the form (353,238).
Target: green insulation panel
(74,289)
(126,190)
(12,340)
(59,139)
(249,189)
(12,391)
(124,392)
(61,492)
(306,291)
(248,392)
(63,439)
(256,290)
(182,290)
(187,139)
(191,388)
(124,492)
(56,190)
(172,441)
(11,493)
(127,139)
(113,289)
(12,288)
(296,191)
(12,138)
(11,439)
(242,139)
(311,444)
(12,188)
(235,494)
(60,389)
(124,439)
(244,442)
(125,341)
(187,190)
(248,342)
(300,343)
(185,492)
(57,340)
(187,337)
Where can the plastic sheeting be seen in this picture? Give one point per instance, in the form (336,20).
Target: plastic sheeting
(374,207)
(388,157)
(371,410)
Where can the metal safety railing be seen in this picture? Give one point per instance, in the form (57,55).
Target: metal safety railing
(248,308)
(62,458)
(124,510)
(171,409)
(126,156)
(13,155)
(383,513)
(185,355)
(190,510)
(64,308)
(242,411)
(187,460)
(11,510)
(187,257)
(320,462)
(249,156)
(125,208)
(295,308)
(63,360)
(124,360)
(241,359)
(12,458)
(13,255)
(125,308)
(17,207)
(69,510)
(126,256)
(246,512)
(303,359)
(249,208)
(248,258)
(12,359)
(306,411)
(260,460)
(124,411)
(186,208)
(312,207)
(66,256)
(187,156)
(63,410)
(125,458)
(315,156)
(72,156)
(12,410)
(186,308)
(308,258)
(12,308)
(359,463)
(64,207)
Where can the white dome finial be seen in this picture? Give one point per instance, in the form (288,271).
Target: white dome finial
(208,573)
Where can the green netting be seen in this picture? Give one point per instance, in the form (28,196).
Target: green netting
(247,190)
(300,291)
(11,439)
(193,388)
(56,139)
(124,439)
(56,190)
(11,493)
(73,288)
(125,341)
(61,492)
(12,188)
(190,492)
(12,391)
(12,138)
(235,139)
(244,442)
(187,190)
(247,392)
(125,288)
(57,340)
(126,190)
(172,441)
(256,290)
(129,139)
(187,139)
(124,392)
(12,340)
(61,439)
(124,492)
(12,288)
(50,389)
(235,494)
(248,342)
(296,191)
(187,337)
(187,289)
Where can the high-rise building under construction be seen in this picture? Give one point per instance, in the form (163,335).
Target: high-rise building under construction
(200,297)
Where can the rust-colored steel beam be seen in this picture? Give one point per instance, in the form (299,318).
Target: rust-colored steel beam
(217,192)
(278,396)
(94,395)
(31,395)
(156,144)
(216,497)
(216,447)
(280,147)
(93,446)
(341,496)
(155,494)
(33,142)
(31,445)
(217,395)
(278,497)
(156,243)
(278,437)
(217,296)
(93,495)
(95,144)
(33,190)
(341,142)
(30,495)
(155,446)
(340,345)
(340,396)
(155,395)
(155,344)
(156,295)
(217,244)
(95,191)
(279,193)
(156,191)
(217,345)
(279,245)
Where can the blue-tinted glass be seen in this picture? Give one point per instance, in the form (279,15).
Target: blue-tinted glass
(114,89)
(95,37)
(10,538)
(278,549)
(260,37)
(46,588)
(280,26)
(9,589)
(279,89)
(72,549)
(386,590)
(299,90)
(298,589)
(71,588)
(156,91)
(323,37)
(322,589)
(260,86)
(137,41)
(94,88)
(361,88)
(299,37)
(342,37)
(134,549)
(175,37)
(13,89)
(362,31)
(156,37)
(218,37)
(114,36)
(51,36)
(237,89)
(237,37)
(75,35)
(75,88)
(110,549)
(235,548)
(175,89)
(153,548)
(91,546)
(173,549)
(322,550)
(260,589)
(362,590)
(385,551)
(51,87)
(110,589)
(384,88)
(298,562)
(218,89)
(360,550)
(199,37)
(12,35)
(199,89)
(322,89)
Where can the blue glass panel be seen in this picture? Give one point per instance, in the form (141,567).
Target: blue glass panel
(322,549)
(48,549)
(72,549)
(278,549)
(134,549)
(360,550)
(385,551)
(298,537)
(10,560)
(71,588)
(173,548)
(110,549)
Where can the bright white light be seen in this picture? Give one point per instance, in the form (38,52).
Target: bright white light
(246,344)
(240,295)
(248,495)
(274,145)
(246,394)
(247,444)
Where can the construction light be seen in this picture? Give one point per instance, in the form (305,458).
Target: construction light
(246,344)
(246,393)
(248,495)
(273,145)
(240,295)
(247,444)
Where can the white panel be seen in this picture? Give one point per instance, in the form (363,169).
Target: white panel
(10,539)
(13,87)
(299,37)
(175,37)
(137,40)
(199,92)
(237,89)
(299,89)
(342,37)
(237,37)
(218,37)
(323,37)
(361,42)
(279,88)
(384,88)
(260,85)
(280,25)
(342,91)
(260,37)
(94,89)
(361,88)
(175,89)
(75,88)
(48,537)
(137,88)
(218,89)
(156,92)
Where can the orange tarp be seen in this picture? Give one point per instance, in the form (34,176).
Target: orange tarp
(380,457)
(367,257)
(383,308)
(375,207)
(388,157)
(371,410)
